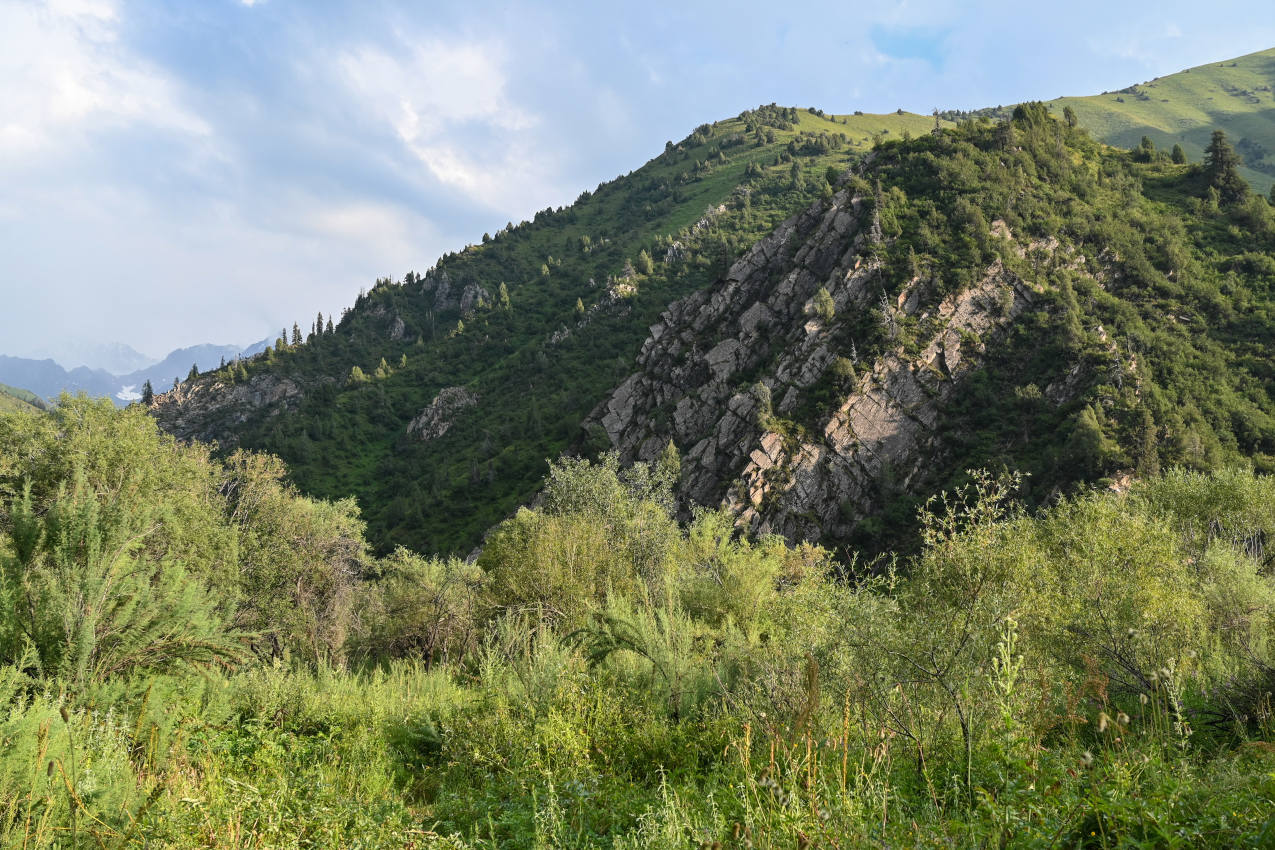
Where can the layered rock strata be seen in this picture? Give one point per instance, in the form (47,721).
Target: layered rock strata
(716,359)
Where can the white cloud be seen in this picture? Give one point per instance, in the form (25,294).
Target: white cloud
(446,103)
(64,76)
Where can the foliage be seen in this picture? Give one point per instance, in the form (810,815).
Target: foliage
(1096,674)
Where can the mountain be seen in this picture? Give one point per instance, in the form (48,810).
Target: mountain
(177,365)
(1011,296)
(48,379)
(114,357)
(861,308)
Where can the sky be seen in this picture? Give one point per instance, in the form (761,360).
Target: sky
(209,171)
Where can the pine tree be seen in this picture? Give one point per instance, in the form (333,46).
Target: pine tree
(1178,155)
(644,264)
(504,298)
(148,393)
(193,373)
(1221,164)
(330,330)
(296,334)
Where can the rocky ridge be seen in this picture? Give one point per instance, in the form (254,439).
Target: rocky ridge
(769,339)
(210,411)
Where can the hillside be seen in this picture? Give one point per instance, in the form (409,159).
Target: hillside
(1006,295)
(438,398)
(13,399)
(1184,108)
(530,366)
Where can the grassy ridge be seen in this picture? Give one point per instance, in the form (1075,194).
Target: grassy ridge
(14,399)
(1184,108)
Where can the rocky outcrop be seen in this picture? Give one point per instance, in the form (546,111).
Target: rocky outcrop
(715,361)
(434,421)
(451,295)
(212,411)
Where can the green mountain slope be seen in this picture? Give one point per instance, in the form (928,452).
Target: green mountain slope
(1009,295)
(438,398)
(13,399)
(1184,108)
(580,298)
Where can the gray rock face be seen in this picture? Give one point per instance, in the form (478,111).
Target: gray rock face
(434,421)
(758,325)
(451,295)
(210,411)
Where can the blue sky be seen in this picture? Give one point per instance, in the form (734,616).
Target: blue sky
(210,170)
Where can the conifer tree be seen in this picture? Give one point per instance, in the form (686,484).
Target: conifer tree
(296,334)
(1221,164)
(193,373)
(148,393)
(1178,155)
(330,330)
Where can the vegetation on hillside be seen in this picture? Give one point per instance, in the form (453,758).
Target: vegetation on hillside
(568,298)
(1156,281)
(1183,109)
(1147,346)
(193,655)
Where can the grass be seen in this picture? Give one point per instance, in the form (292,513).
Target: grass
(13,399)
(1184,108)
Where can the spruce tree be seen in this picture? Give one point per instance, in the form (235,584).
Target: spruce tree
(296,334)
(1221,164)
(193,373)
(148,393)
(330,330)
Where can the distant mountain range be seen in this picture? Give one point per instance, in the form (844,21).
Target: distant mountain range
(47,378)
